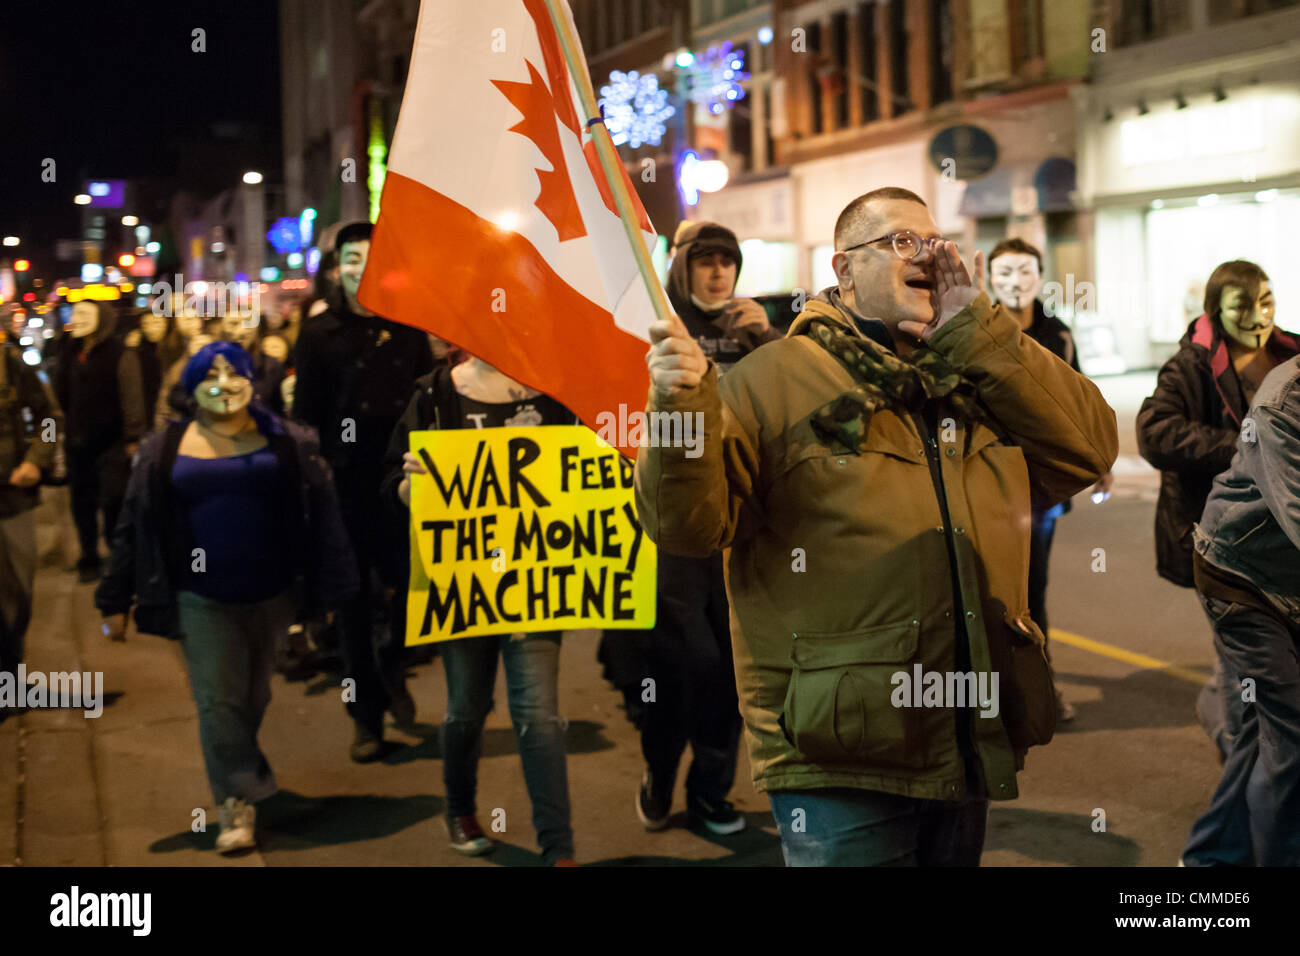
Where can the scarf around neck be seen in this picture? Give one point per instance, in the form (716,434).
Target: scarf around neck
(885,380)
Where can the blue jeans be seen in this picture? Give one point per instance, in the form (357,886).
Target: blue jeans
(1254,815)
(532,693)
(230,652)
(848,827)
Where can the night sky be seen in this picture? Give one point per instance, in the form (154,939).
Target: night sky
(113,90)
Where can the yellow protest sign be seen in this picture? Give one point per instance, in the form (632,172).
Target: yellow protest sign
(524,529)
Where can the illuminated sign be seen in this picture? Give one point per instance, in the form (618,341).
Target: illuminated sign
(1216,129)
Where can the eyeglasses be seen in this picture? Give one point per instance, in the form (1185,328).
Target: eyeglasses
(907,244)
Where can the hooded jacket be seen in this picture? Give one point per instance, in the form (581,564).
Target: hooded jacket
(1188,429)
(100,388)
(725,337)
(846,569)
(1251,524)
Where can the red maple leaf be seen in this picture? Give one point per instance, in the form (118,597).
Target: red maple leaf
(556,200)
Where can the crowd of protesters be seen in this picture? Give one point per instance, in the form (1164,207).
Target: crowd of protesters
(251,477)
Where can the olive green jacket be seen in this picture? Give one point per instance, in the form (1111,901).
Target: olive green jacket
(839,572)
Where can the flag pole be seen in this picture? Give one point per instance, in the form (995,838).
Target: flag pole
(609,160)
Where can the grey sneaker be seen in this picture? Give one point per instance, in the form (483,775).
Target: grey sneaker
(238,826)
(468,837)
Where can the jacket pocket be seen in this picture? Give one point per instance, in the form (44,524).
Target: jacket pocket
(837,707)
(1028,704)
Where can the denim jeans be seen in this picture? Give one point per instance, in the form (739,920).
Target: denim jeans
(532,694)
(1254,815)
(230,651)
(1041,532)
(848,827)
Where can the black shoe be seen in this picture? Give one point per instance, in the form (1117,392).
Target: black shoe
(88,573)
(367,747)
(402,707)
(652,809)
(721,818)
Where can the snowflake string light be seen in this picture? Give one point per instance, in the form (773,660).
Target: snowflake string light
(636,111)
(715,77)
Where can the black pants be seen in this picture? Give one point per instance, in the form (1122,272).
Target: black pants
(689,659)
(97,480)
(371,627)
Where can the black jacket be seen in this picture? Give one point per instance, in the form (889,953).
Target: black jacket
(358,368)
(1188,429)
(1055,336)
(100,389)
(151,539)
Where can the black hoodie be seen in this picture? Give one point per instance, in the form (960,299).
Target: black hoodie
(723,340)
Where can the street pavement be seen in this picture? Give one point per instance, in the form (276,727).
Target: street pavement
(126,789)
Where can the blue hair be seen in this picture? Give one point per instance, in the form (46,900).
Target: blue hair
(197,368)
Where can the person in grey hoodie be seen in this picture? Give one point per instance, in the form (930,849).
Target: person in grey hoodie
(1246,566)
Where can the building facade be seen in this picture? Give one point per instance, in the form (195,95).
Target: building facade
(1189,157)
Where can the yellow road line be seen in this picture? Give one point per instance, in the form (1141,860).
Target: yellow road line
(1128,657)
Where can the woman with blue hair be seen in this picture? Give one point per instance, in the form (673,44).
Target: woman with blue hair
(230,527)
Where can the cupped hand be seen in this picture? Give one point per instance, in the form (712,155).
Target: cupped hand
(954,289)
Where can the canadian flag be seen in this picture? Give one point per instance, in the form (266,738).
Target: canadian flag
(497,229)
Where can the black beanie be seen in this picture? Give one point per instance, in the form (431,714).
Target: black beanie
(714,238)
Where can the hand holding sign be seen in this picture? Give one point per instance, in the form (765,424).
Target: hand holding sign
(410,466)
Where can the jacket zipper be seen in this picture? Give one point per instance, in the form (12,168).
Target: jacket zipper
(965,727)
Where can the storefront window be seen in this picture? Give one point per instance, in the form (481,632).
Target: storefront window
(1185,243)
(769,267)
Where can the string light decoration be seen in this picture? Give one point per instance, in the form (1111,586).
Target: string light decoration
(636,111)
(715,77)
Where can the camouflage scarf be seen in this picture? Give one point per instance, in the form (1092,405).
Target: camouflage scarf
(884,381)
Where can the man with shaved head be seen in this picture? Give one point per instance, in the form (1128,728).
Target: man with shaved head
(870,475)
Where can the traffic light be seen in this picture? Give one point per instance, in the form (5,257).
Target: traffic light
(22,265)
(126,260)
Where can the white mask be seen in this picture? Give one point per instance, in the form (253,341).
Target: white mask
(85,320)
(224,391)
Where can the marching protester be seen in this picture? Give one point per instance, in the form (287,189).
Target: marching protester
(192,334)
(1246,565)
(476,395)
(23,458)
(158,345)
(230,528)
(1188,429)
(244,329)
(356,373)
(868,474)
(98,386)
(688,653)
(1015,273)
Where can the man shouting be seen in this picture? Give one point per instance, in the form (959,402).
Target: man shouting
(871,474)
